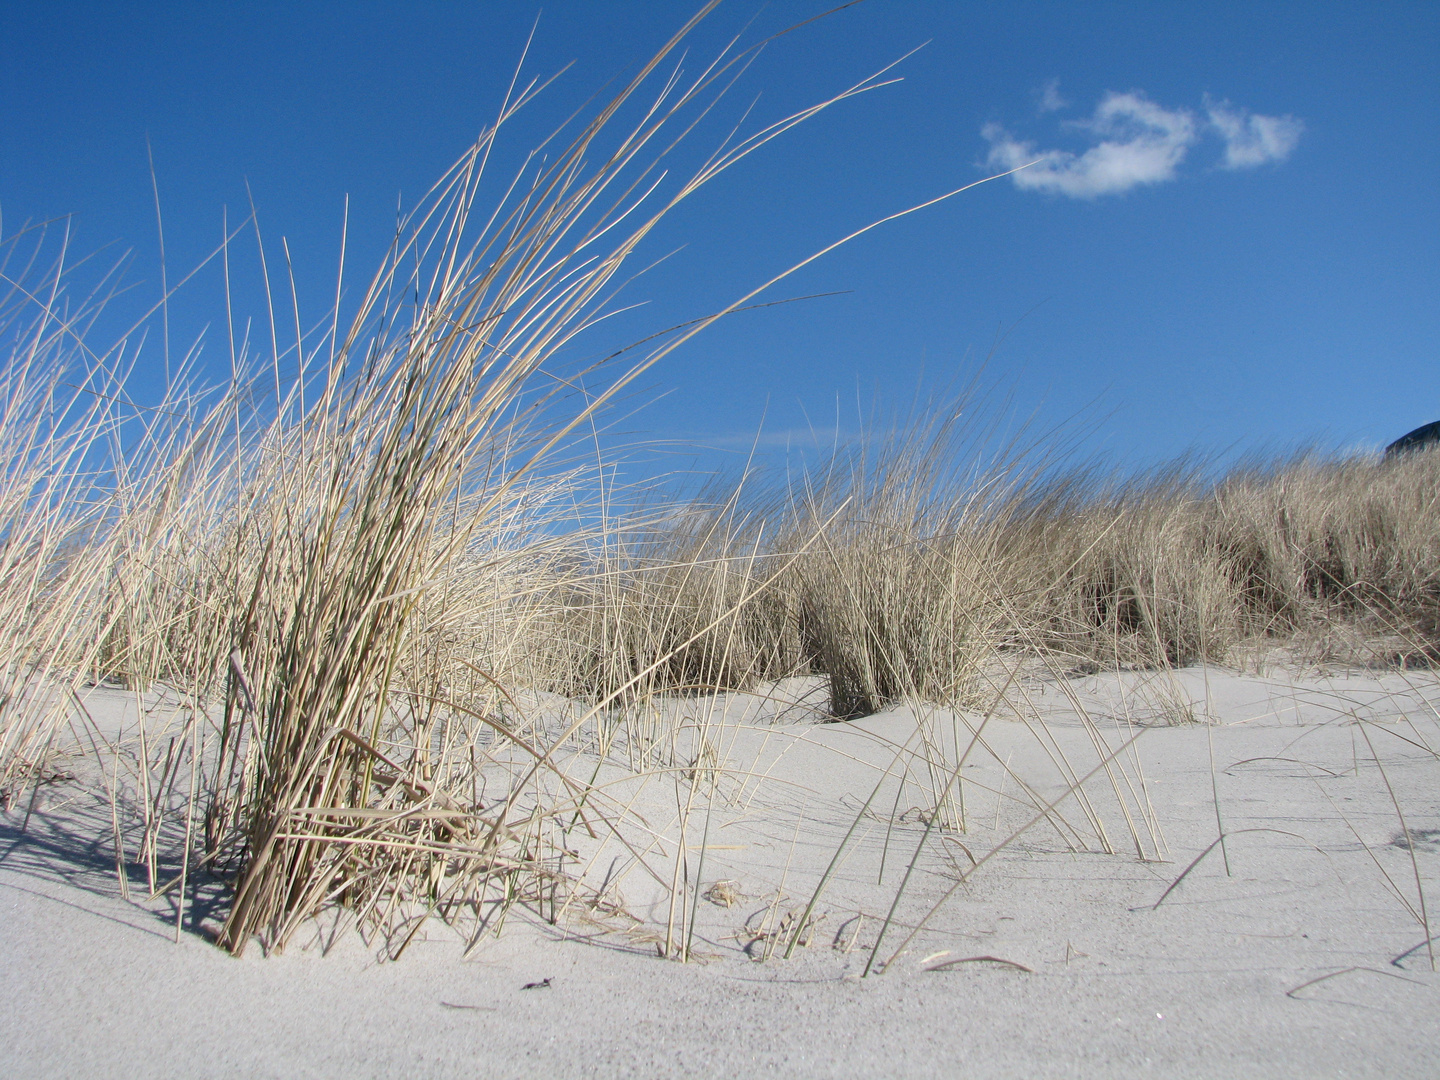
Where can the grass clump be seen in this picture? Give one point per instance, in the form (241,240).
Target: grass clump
(362,577)
(407,679)
(928,568)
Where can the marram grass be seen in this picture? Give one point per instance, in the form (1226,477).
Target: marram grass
(363,591)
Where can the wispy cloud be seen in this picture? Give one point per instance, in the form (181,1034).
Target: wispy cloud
(1048,98)
(1251,139)
(1134,141)
(798,439)
(1138,143)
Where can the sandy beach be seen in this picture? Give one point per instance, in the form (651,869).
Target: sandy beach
(377,699)
(1053,958)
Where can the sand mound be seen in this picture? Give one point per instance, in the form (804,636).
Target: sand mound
(1053,958)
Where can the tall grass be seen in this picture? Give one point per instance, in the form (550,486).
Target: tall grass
(930,568)
(359,576)
(1176,567)
(364,589)
(51,571)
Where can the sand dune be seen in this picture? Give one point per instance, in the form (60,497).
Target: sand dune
(1052,959)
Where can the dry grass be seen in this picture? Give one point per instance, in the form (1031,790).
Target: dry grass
(350,587)
(928,570)
(406,685)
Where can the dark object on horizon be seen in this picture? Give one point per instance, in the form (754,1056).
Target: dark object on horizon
(1422,438)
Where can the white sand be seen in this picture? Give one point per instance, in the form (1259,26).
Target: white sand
(1205,985)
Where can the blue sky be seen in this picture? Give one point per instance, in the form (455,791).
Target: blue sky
(1231,241)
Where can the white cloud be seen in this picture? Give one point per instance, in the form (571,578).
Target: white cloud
(1252,139)
(1139,143)
(1135,142)
(1049,99)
